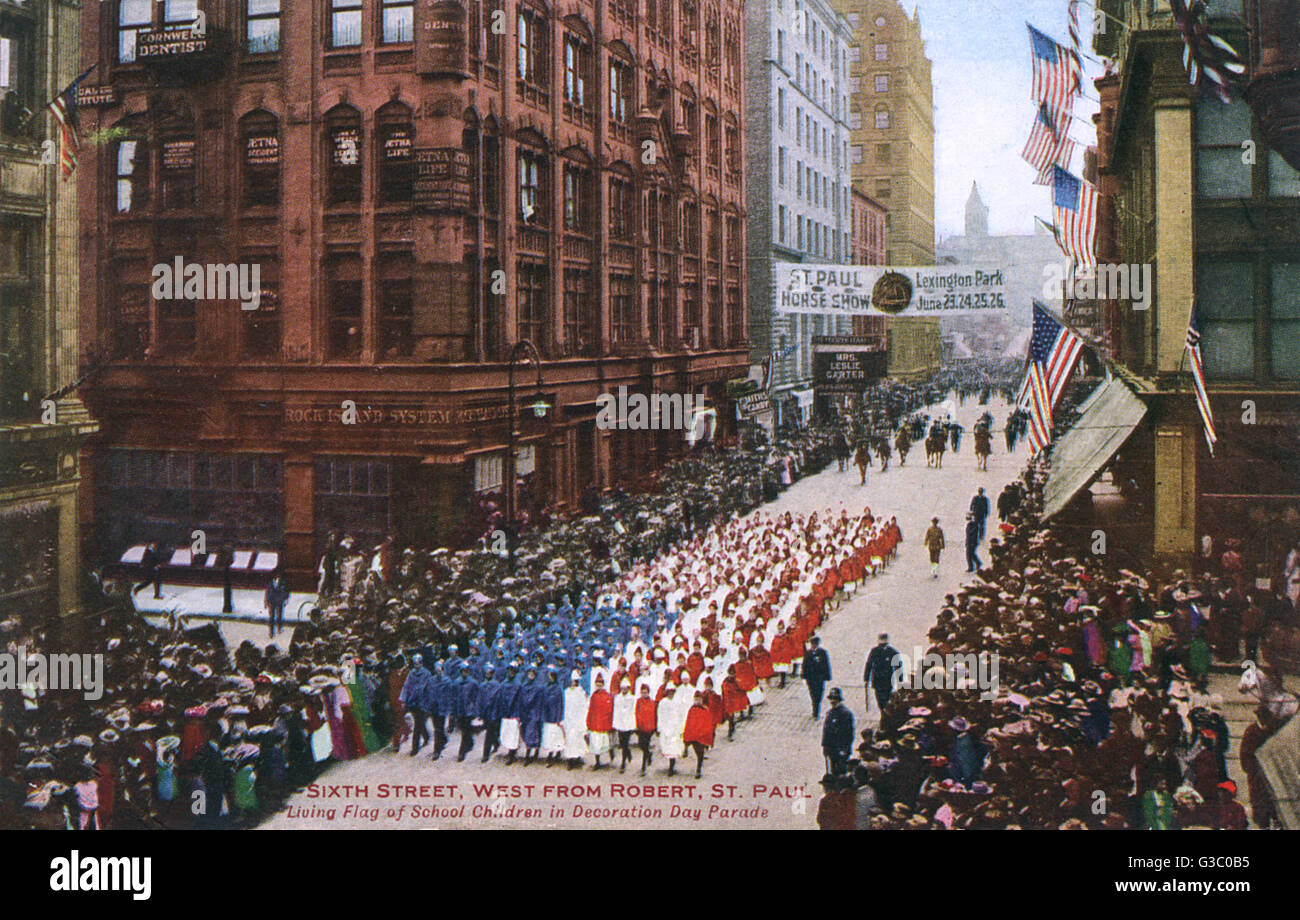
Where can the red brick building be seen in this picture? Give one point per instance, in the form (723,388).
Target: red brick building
(868,236)
(867,247)
(420,185)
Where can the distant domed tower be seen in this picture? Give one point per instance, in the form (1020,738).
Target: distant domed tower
(977,213)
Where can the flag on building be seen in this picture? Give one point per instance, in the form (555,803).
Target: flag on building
(1198,382)
(1210,61)
(1076,50)
(1057,79)
(64,109)
(1074,211)
(1049,145)
(1053,352)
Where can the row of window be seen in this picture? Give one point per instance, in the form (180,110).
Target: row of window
(395,23)
(1229,160)
(811,237)
(810,185)
(811,135)
(160,167)
(1245,336)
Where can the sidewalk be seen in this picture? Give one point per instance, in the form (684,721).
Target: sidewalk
(200,603)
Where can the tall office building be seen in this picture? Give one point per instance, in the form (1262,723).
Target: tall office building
(42,422)
(891,113)
(800,185)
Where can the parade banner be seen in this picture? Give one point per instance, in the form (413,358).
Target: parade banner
(880,290)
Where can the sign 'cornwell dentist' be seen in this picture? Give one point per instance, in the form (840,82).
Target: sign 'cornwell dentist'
(879,290)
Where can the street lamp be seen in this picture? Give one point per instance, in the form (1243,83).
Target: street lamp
(523,349)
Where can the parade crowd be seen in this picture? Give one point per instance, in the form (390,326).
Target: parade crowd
(1104,717)
(181,713)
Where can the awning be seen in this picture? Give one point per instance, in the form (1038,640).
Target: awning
(805,398)
(1279,758)
(1108,417)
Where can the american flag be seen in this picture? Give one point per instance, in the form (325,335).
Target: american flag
(1056,75)
(1074,211)
(1211,62)
(1076,51)
(64,109)
(1053,352)
(1198,382)
(1049,145)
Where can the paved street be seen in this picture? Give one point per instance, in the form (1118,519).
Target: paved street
(767,777)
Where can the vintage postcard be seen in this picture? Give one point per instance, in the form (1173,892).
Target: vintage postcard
(649,414)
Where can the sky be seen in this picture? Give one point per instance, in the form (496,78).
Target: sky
(983,110)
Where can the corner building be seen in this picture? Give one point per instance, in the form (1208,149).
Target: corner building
(1222,231)
(421,185)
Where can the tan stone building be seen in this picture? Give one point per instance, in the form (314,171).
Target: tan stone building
(891,113)
(41,428)
(1189,187)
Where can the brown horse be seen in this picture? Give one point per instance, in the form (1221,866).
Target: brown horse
(983,447)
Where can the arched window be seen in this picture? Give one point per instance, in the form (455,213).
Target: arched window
(533,44)
(260,133)
(533,186)
(343,154)
(396,137)
(577,196)
(622,205)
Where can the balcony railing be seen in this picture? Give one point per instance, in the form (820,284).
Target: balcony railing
(533,94)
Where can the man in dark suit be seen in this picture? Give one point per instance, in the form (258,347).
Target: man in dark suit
(151,562)
(837,734)
(879,672)
(979,509)
(816,672)
(224,561)
(973,563)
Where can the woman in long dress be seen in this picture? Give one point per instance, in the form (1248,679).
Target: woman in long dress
(600,720)
(508,702)
(530,715)
(671,719)
(575,721)
(552,718)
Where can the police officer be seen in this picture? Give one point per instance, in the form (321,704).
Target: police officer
(837,734)
(816,672)
(879,672)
